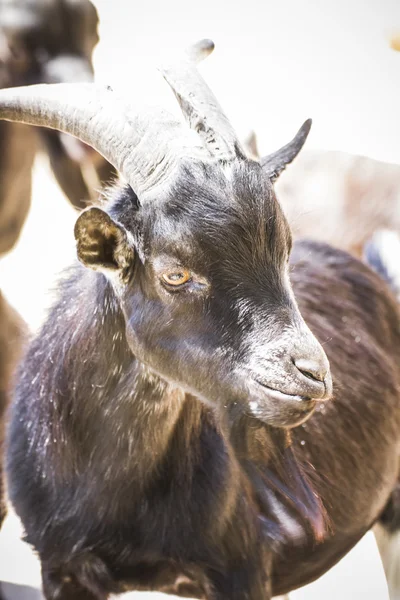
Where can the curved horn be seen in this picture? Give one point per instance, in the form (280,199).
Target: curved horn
(200,106)
(146,146)
(275,163)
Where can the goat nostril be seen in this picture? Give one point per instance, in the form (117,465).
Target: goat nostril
(310,369)
(315,377)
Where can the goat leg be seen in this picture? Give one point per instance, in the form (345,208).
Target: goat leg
(239,583)
(83,577)
(64,589)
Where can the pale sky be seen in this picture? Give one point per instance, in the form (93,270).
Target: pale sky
(276,63)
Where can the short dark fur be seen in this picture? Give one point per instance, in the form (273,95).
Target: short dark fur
(134,457)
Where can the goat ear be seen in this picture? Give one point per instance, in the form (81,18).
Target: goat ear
(102,243)
(251,146)
(275,163)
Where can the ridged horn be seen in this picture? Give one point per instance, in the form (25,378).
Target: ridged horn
(145,146)
(199,105)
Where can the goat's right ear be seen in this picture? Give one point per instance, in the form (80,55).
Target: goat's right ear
(102,243)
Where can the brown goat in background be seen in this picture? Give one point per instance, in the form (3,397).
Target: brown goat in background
(13,333)
(338,198)
(45,42)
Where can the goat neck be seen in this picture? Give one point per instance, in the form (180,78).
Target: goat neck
(151,406)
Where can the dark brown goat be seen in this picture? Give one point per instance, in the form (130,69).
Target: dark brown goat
(150,443)
(50,42)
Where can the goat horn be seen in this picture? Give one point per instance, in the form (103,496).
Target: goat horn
(200,106)
(275,163)
(146,146)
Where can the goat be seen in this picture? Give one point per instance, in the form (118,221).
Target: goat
(15,166)
(152,442)
(16,181)
(50,42)
(351,195)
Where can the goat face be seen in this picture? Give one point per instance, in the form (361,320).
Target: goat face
(202,278)
(201,266)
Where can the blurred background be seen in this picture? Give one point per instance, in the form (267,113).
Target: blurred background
(275,64)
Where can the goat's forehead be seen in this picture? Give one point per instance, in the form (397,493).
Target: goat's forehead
(215,214)
(216,224)
(205,189)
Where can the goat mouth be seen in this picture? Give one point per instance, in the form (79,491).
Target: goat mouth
(277,408)
(279,395)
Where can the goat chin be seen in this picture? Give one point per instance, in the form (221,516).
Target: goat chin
(278,409)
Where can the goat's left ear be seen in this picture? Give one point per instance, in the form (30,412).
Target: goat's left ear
(275,163)
(102,243)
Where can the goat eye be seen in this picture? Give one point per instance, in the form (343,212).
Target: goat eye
(177,278)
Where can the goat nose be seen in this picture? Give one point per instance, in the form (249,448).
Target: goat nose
(316,370)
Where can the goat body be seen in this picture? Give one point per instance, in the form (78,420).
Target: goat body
(124,480)
(352,443)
